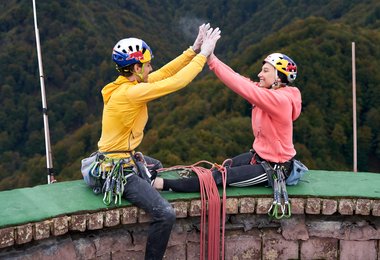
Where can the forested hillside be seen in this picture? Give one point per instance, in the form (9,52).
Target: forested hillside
(205,120)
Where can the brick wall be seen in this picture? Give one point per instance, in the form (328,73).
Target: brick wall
(318,229)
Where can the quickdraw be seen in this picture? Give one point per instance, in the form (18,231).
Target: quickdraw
(281,206)
(111,176)
(115,180)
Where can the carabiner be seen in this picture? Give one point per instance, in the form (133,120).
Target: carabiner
(272,209)
(107,199)
(287,210)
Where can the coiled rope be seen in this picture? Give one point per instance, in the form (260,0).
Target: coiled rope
(210,206)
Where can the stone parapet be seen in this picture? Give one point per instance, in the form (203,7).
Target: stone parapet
(319,227)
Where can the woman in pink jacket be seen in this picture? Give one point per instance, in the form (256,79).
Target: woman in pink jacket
(275,105)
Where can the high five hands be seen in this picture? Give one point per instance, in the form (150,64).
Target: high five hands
(206,39)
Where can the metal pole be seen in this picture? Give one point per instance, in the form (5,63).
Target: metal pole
(49,161)
(354,107)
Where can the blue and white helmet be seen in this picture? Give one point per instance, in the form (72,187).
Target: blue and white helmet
(130,51)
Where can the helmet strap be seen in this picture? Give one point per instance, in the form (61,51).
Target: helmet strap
(277,84)
(140,75)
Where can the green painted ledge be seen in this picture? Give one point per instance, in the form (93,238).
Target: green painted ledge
(42,202)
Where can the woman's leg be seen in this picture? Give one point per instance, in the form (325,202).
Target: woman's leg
(180,185)
(240,176)
(240,173)
(242,159)
(143,195)
(246,175)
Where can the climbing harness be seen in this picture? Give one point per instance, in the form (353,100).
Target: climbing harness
(280,207)
(210,206)
(109,175)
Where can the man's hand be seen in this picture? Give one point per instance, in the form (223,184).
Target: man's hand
(201,34)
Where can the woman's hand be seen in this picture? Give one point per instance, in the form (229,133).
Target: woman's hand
(209,41)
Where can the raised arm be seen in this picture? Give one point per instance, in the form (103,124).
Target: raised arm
(146,92)
(178,63)
(267,99)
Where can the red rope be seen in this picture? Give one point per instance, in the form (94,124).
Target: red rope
(210,200)
(223,171)
(207,187)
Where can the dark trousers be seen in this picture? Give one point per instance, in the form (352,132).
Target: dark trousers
(141,194)
(241,173)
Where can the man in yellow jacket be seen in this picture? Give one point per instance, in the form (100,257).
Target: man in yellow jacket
(125,115)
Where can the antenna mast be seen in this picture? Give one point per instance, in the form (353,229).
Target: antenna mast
(49,161)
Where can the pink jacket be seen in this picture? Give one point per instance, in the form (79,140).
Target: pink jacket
(273,112)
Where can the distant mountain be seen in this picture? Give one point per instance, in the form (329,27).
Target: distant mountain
(205,120)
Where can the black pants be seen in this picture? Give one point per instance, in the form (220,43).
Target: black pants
(241,173)
(141,194)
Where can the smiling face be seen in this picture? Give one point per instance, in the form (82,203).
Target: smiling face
(267,75)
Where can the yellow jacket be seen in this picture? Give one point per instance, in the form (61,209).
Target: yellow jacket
(125,111)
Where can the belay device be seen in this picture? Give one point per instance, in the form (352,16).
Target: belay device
(142,169)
